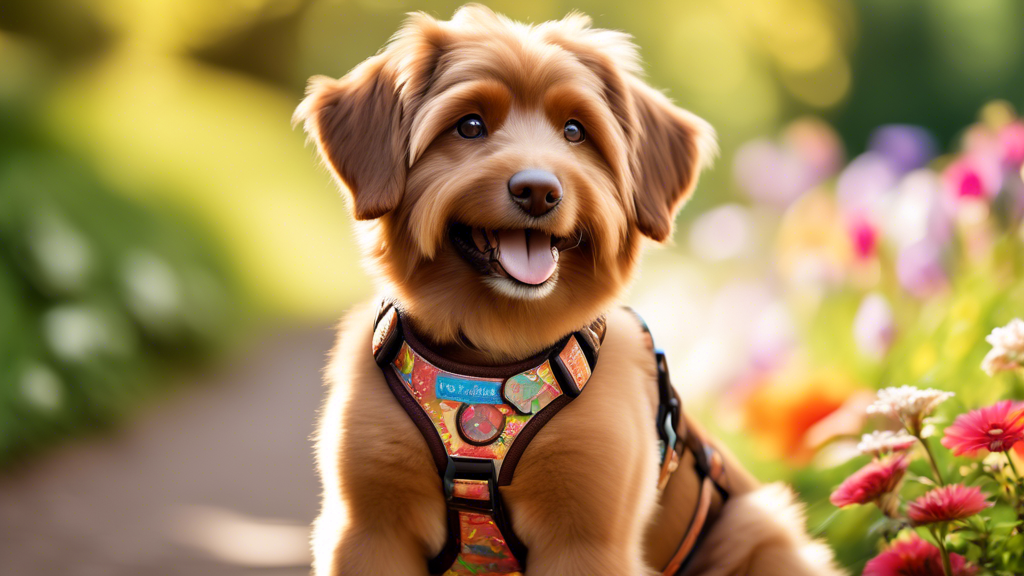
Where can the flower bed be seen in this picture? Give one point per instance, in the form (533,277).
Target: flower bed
(882,273)
(965,535)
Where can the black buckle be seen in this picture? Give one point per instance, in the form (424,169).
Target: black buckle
(470,469)
(669,410)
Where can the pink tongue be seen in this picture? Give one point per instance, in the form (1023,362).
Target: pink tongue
(529,262)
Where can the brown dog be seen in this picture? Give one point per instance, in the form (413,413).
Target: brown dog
(506,177)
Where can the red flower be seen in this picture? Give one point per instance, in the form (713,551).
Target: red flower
(995,428)
(914,557)
(948,503)
(874,480)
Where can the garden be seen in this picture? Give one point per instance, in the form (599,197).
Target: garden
(900,271)
(842,303)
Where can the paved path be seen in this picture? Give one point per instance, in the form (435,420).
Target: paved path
(217,479)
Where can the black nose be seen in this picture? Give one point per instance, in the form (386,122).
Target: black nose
(535,191)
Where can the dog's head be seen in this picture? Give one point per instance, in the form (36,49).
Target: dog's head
(509,172)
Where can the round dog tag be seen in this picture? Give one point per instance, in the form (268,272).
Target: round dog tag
(480,424)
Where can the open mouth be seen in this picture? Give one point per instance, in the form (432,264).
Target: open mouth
(527,256)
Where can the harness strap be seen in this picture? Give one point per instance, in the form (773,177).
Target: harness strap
(676,434)
(700,518)
(478,421)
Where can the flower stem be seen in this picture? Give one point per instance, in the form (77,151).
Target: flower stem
(1012,465)
(1017,501)
(931,460)
(947,567)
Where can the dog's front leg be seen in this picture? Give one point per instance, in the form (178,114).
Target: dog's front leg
(574,541)
(383,511)
(361,548)
(587,558)
(582,507)
(573,535)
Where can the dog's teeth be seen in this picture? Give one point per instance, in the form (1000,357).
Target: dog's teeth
(480,239)
(554,254)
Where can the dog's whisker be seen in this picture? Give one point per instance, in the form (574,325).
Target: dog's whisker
(579,240)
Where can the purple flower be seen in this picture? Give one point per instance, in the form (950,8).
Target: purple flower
(770,173)
(906,147)
(866,183)
(920,271)
(873,327)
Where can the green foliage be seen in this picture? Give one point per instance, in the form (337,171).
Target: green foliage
(99,297)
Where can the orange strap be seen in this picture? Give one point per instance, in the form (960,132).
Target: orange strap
(700,517)
(712,468)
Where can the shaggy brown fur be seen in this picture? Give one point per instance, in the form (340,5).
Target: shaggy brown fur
(386,131)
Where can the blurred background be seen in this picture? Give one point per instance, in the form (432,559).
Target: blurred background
(173,258)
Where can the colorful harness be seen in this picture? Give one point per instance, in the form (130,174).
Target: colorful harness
(478,421)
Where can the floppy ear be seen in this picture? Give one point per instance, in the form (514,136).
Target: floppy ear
(361,122)
(673,146)
(355,123)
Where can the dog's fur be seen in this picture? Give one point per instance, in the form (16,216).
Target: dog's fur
(583,507)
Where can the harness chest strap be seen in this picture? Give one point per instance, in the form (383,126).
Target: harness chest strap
(676,435)
(713,492)
(478,421)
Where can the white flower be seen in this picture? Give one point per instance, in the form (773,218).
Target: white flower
(1007,348)
(908,404)
(1009,337)
(883,441)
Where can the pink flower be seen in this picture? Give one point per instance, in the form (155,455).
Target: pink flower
(771,173)
(1011,140)
(869,484)
(946,504)
(863,237)
(973,176)
(995,428)
(914,557)
(817,144)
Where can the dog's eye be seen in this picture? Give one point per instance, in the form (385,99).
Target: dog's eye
(574,132)
(470,127)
